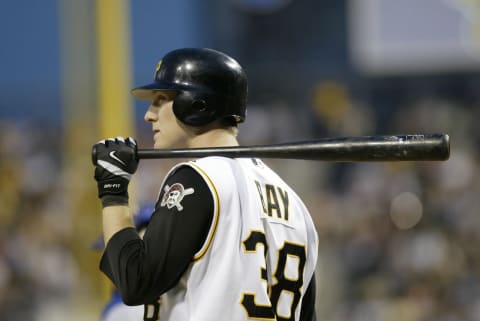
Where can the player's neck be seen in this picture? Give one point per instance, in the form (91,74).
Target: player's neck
(213,138)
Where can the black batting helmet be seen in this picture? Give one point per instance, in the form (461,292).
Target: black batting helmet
(207,85)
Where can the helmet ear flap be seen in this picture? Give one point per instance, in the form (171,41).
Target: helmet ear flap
(194,110)
(199,105)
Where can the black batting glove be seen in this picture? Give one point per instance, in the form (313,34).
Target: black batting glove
(115,161)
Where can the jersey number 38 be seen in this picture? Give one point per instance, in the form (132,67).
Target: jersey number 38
(284,283)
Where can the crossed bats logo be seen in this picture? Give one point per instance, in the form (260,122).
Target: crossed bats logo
(174,195)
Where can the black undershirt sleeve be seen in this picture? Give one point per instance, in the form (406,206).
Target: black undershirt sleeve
(144,269)
(308,303)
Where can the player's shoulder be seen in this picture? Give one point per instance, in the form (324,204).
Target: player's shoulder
(213,161)
(215,170)
(182,174)
(213,166)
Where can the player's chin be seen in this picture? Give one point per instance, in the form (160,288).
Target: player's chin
(161,144)
(157,145)
(157,141)
(168,141)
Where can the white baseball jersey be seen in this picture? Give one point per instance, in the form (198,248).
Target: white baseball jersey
(260,253)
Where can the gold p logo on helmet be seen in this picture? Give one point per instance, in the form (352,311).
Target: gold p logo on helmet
(157,69)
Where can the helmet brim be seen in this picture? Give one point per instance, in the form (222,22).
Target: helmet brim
(153,91)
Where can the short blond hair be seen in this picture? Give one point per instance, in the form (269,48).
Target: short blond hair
(226,124)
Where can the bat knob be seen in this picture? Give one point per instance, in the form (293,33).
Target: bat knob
(94,155)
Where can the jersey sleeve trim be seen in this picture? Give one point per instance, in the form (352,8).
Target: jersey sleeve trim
(216,213)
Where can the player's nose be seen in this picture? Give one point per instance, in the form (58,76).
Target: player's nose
(150,115)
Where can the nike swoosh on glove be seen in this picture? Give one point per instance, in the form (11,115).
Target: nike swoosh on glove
(116,162)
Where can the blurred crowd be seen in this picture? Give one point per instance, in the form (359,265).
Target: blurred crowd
(398,241)
(37,270)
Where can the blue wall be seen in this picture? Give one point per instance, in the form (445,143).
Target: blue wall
(29,60)
(30,77)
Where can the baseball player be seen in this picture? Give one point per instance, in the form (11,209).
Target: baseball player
(228,239)
(115,309)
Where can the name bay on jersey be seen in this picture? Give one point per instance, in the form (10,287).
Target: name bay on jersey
(274,200)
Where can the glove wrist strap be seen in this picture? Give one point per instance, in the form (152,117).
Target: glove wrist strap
(112,186)
(114,200)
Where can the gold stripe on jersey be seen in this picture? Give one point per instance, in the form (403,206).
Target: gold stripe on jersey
(216,214)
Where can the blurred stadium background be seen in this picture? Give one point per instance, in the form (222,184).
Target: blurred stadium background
(398,241)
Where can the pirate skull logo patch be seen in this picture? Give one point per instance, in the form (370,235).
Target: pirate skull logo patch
(174,195)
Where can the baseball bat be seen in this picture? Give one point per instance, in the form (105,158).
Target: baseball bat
(429,147)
